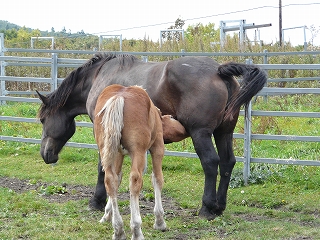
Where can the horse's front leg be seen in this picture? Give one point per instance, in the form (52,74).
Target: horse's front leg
(98,200)
(226,164)
(209,161)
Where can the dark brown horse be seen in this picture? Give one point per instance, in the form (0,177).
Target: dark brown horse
(197,91)
(128,123)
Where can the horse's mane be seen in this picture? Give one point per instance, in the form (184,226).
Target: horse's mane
(58,98)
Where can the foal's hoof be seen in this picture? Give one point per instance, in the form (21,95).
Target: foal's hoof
(96,204)
(103,220)
(160,226)
(205,213)
(119,236)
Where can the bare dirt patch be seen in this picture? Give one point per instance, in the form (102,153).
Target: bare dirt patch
(79,192)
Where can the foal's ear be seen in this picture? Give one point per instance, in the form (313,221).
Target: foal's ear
(43,98)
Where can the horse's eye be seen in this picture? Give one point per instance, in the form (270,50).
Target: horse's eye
(41,120)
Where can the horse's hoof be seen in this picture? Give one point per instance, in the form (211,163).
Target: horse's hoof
(120,236)
(162,227)
(95,204)
(205,213)
(218,212)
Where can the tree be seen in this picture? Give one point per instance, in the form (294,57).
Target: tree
(172,35)
(314,33)
(81,32)
(203,31)
(10,34)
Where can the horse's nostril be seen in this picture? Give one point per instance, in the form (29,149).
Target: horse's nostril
(49,157)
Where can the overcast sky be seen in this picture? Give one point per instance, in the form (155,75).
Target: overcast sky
(139,18)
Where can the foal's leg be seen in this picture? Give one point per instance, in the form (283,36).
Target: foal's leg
(137,167)
(107,212)
(157,153)
(112,184)
(108,209)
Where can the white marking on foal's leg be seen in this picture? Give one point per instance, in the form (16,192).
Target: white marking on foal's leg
(108,209)
(135,221)
(117,221)
(159,222)
(107,212)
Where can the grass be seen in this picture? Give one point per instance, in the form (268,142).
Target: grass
(287,204)
(282,202)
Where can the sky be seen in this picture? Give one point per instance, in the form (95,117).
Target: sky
(146,18)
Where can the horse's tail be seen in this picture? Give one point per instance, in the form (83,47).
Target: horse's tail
(253,81)
(112,123)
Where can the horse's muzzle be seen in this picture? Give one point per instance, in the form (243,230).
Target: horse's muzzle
(49,157)
(48,152)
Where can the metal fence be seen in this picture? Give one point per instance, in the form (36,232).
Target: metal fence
(54,63)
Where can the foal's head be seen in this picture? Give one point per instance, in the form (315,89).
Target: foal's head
(173,131)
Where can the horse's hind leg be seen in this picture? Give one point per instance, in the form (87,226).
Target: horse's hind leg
(157,181)
(159,223)
(209,160)
(137,167)
(112,184)
(226,164)
(108,209)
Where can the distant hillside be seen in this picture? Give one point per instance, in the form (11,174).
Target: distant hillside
(5,25)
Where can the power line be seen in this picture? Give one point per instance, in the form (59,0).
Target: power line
(189,19)
(214,15)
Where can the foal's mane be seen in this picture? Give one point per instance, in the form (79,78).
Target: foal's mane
(59,97)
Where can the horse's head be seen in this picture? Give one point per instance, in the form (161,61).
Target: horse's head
(57,128)
(173,131)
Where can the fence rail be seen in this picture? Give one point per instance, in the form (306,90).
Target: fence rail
(54,63)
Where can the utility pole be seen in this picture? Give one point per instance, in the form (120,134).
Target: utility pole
(280,22)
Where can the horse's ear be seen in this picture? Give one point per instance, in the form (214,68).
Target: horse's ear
(43,98)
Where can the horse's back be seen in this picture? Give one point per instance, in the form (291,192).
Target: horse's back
(185,88)
(193,92)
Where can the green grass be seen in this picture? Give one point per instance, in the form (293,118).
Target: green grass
(281,202)
(287,204)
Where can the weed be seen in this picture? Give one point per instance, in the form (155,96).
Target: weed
(51,189)
(259,173)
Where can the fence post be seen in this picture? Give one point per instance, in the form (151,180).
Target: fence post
(2,69)
(247,139)
(1,44)
(182,51)
(265,57)
(145,59)
(247,144)
(265,61)
(54,71)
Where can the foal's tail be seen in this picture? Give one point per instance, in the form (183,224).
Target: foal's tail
(253,81)
(112,123)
